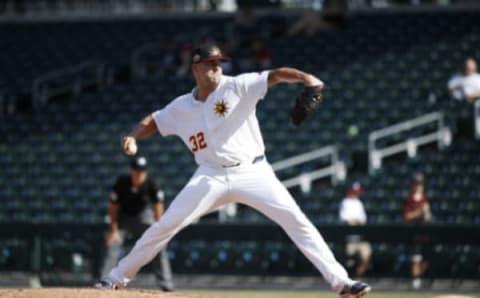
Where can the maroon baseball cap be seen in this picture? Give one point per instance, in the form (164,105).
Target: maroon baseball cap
(208,52)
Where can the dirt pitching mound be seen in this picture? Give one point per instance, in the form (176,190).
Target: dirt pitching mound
(87,293)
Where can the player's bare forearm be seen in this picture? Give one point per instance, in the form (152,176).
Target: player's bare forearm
(114,234)
(354,222)
(158,210)
(112,213)
(472,96)
(292,75)
(144,129)
(412,215)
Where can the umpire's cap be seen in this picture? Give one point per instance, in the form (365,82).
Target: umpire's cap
(138,163)
(207,52)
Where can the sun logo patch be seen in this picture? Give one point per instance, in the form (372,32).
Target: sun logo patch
(221,108)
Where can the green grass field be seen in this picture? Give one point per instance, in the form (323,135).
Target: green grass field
(315,294)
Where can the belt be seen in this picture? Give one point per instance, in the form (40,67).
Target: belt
(254,161)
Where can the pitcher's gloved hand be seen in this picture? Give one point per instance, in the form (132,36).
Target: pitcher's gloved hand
(306,104)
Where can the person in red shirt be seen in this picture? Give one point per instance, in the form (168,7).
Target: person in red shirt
(417,210)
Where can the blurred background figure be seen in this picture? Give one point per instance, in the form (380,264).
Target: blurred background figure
(417,211)
(417,207)
(135,203)
(258,56)
(309,24)
(352,212)
(466,86)
(331,16)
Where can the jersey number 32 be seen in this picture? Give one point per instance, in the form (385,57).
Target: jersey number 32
(198,142)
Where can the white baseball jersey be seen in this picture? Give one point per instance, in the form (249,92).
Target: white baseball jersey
(467,85)
(352,209)
(224,135)
(223,130)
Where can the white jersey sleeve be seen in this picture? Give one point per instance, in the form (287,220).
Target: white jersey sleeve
(252,86)
(165,120)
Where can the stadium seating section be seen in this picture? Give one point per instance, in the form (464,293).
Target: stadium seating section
(58,164)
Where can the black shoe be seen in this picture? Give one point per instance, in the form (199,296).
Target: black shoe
(357,290)
(167,289)
(106,284)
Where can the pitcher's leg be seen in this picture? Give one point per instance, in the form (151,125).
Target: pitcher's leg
(197,197)
(271,198)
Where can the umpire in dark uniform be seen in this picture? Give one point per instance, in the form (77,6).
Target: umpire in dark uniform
(135,203)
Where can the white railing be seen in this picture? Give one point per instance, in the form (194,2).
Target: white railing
(476,114)
(336,169)
(442,135)
(70,79)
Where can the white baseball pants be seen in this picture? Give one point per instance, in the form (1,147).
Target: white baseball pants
(254,185)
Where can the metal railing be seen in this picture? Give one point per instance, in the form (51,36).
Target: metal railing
(442,135)
(71,79)
(336,169)
(476,115)
(104,8)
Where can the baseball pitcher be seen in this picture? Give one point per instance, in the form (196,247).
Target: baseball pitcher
(217,122)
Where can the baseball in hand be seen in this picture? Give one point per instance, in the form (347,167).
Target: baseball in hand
(130,146)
